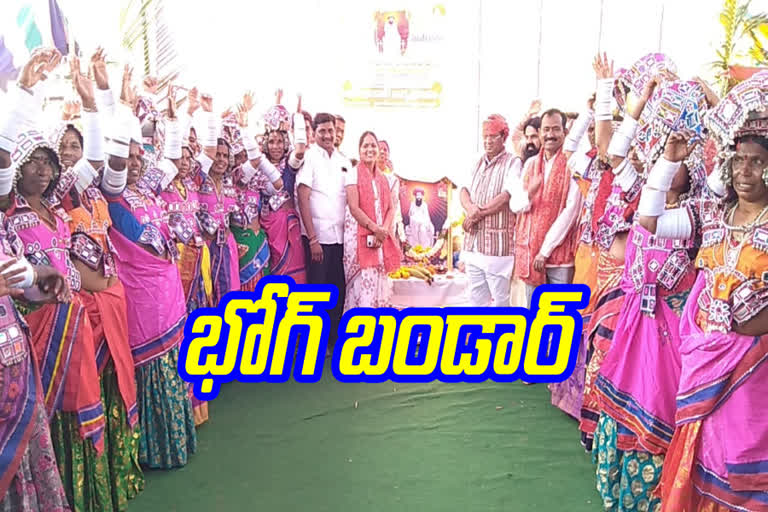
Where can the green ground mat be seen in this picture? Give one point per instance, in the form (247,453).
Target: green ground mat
(406,447)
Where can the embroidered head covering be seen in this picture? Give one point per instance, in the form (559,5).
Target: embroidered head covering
(418,191)
(674,107)
(26,144)
(743,111)
(634,79)
(495,125)
(231,133)
(152,128)
(277,118)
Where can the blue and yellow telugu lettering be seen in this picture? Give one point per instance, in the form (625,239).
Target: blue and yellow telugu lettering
(252,337)
(464,344)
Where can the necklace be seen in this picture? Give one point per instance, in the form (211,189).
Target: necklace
(744,228)
(739,234)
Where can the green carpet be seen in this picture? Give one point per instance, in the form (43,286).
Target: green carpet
(406,447)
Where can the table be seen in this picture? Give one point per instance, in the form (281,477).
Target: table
(446,290)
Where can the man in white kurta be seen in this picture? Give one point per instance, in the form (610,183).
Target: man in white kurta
(420,230)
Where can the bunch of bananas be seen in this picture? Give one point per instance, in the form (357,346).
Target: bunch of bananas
(419,272)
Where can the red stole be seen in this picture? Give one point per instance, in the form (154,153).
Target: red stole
(368,257)
(532,226)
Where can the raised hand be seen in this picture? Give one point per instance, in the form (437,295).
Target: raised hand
(242,116)
(172,102)
(99,69)
(248,101)
(677,148)
(71,110)
(207,103)
(151,85)
(712,98)
(278,96)
(298,107)
(534,109)
(35,69)
(83,86)
(193,99)
(128,93)
(53,61)
(603,68)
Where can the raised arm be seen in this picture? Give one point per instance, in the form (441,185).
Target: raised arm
(25,107)
(603,101)
(652,212)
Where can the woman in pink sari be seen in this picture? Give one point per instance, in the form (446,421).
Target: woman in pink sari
(279,216)
(370,249)
(718,456)
(637,411)
(218,200)
(146,263)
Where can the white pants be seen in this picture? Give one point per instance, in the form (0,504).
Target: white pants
(485,287)
(555,275)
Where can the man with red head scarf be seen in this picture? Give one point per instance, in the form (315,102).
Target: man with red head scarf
(490,225)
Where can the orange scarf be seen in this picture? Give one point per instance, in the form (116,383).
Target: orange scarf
(368,257)
(532,226)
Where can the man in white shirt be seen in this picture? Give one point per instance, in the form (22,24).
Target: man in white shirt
(420,229)
(547,207)
(489,250)
(322,204)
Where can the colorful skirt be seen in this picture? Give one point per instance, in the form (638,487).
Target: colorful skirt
(569,395)
(225,273)
(97,481)
(286,248)
(600,335)
(36,486)
(195,269)
(638,380)
(167,422)
(253,252)
(718,458)
(625,479)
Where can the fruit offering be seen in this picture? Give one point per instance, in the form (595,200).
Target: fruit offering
(427,273)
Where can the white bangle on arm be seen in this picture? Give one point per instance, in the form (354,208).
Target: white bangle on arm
(663,174)
(93,137)
(578,129)
(6,181)
(674,224)
(622,138)
(604,99)
(173,139)
(114,182)
(652,202)
(299,129)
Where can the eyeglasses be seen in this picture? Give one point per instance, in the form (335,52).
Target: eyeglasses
(492,137)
